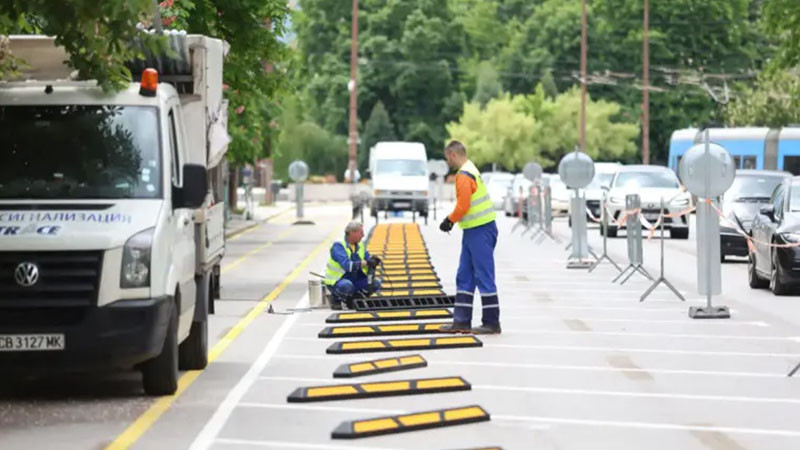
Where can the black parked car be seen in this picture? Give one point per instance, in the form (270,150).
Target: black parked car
(779,223)
(750,191)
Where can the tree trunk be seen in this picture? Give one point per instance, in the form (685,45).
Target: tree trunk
(233,195)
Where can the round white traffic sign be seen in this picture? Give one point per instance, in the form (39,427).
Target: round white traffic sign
(532,171)
(707,172)
(438,167)
(576,170)
(298,171)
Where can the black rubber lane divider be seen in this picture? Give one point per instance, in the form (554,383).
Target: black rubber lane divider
(378,389)
(398,345)
(389,316)
(380,366)
(404,302)
(410,422)
(381,330)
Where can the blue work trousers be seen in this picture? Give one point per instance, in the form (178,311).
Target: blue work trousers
(476,269)
(345,289)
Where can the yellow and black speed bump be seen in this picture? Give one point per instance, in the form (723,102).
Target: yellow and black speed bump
(431,291)
(397,345)
(404,302)
(387,316)
(378,389)
(413,284)
(380,366)
(381,330)
(389,279)
(410,422)
(485,448)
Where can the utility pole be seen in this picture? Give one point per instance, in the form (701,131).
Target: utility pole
(583,77)
(353,87)
(646,88)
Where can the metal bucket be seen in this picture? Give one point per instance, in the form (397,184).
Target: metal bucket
(316,294)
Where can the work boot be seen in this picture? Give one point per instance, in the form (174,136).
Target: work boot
(487,329)
(336,305)
(456,327)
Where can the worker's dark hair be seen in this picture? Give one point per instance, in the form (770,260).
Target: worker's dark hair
(455,146)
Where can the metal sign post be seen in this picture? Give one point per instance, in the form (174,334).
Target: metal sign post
(298,172)
(576,171)
(634,240)
(661,278)
(439,169)
(708,171)
(547,213)
(532,171)
(604,232)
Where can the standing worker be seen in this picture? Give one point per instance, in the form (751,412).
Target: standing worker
(474,213)
(349,267)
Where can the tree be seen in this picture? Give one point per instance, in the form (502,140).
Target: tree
(488,86)
(97,35)
(773,102)
(498,133)
(378,128)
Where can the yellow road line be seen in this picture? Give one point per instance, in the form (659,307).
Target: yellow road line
(135,431)
(256,226)
(268,244)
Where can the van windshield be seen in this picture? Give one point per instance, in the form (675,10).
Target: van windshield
(79,152)
(401,167)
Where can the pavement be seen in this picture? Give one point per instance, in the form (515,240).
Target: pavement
(263,213)
(581,362)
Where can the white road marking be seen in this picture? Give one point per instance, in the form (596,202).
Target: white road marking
(447,363)
(588,392)
(212,428)
(515,317)
(283,444)
(641,350)
(646,425)
(295,406)
(726,337)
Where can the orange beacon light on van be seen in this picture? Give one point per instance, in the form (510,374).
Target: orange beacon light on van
(149,84)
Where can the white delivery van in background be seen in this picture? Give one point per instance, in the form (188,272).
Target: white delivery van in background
(110,233)
(400,179)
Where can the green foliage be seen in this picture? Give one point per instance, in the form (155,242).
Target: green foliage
(378,128)
(512,131)
(97,35)
(782,22)
(774,101)
(488,85)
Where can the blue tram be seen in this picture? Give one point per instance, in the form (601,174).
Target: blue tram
(751,147)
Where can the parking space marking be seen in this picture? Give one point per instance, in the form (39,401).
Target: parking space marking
(638,350)
(646,425)
(212,428)
(728,337)
(300,407)
(650,395)
(146,420)
(283,444)
(566,367)
(543,318)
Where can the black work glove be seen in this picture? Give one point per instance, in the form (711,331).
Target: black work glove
(446,225)
(373,262)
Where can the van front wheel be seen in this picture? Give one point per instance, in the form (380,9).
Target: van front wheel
(160,374)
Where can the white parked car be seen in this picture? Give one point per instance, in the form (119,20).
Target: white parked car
(518,191)
(497,183)
(559,194)
(652,183)
(603,173)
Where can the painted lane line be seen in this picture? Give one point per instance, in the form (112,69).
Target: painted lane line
(256,226)
(647,395)
(543,318)
(146,420)
(646,425)
(298,445)
(641,350)
(213,427)
(654,335)
(256,250)
(587,392)
(447,363)
(302,407)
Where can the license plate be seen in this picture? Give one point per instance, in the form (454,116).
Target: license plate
(402,204)
(31,342)
(651,217)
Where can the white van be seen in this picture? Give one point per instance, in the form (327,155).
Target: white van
(399,172)
(110,235)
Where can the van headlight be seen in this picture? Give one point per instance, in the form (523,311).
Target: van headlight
(136,260)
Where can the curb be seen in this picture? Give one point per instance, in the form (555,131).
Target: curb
(230,234)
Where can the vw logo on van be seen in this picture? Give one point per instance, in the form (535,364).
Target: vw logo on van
(26,274)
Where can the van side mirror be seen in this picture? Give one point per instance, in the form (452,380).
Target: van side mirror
(769,211)
(194,190)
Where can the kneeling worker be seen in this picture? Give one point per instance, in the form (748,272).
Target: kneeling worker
(474,213)
(349,265)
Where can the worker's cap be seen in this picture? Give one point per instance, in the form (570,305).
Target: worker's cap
(353,226)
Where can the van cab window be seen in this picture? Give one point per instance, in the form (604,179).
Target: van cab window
(401,167)
(79,152)
(176,160)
